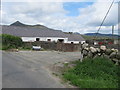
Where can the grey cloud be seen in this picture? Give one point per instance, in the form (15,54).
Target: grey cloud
(54,16)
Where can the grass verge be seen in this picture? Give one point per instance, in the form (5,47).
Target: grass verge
(93,73)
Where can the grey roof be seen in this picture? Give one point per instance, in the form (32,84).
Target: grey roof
(74,37)
(38,32)
(31,31)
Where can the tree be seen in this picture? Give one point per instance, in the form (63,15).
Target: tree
(10,41)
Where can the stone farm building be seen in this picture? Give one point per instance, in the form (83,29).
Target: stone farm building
(32,33)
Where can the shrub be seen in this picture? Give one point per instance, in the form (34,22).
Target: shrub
(9,41)
(96,73)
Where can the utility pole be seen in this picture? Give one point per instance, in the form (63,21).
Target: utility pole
(113,33)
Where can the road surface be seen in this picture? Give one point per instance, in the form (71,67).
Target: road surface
(28,69)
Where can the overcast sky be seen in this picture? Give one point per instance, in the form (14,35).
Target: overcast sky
(82,17)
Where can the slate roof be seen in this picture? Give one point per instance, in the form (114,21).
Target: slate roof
(31,31)
(74,37)
(38,32)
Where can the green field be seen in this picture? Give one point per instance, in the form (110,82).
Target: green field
(96,73)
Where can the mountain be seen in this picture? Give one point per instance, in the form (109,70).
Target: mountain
(77,33)
(99,34)
(18,23)
(39,26)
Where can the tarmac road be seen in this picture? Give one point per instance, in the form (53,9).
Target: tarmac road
(27,69)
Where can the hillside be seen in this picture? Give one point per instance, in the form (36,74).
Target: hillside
(99,34)
(18,23)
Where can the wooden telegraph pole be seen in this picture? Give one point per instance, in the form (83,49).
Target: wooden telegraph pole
(113,33)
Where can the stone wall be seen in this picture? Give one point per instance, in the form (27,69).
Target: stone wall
(66,47)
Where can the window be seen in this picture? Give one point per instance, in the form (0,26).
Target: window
(37,39)
(49,40)
(61,40)
(71,42)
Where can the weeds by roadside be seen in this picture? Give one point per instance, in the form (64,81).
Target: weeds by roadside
(99,72)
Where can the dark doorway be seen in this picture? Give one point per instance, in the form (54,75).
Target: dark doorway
(72,43)
(49,40)
(37,39)
(61,40)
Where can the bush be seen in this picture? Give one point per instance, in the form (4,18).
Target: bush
(96,73)
(9,41)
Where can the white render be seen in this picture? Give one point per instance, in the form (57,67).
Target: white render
(28,39)
(75,42)
(33,39)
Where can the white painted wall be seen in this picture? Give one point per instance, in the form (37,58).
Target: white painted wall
(75,42)
(83,42)
(28,39)
(33,39)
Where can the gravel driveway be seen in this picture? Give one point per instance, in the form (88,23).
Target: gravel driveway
(48,57)
(29,69)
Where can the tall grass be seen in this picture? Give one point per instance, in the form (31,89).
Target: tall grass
(93,73)
(10,41)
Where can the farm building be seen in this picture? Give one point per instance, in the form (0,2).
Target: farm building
(32,33)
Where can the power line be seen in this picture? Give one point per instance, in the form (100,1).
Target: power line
(104,19)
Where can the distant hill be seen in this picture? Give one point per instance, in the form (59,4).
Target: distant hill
(77,33)
(99,34)
(18,23)
(89,36)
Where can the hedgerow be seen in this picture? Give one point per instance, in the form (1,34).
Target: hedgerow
(10,41)
(93,73)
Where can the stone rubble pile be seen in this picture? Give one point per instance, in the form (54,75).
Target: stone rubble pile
(92,52)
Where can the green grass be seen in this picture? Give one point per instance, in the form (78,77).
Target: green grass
(25,48)
(96,73)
